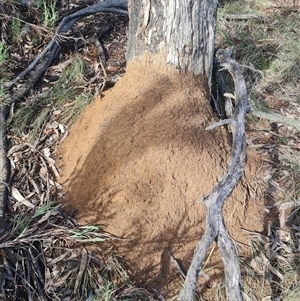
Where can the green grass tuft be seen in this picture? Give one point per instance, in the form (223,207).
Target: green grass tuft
(3,54)
(49,13)
(15,30)
(68,95)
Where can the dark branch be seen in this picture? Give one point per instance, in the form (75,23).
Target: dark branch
(44,59)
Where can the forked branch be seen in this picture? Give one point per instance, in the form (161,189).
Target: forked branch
(44,59)
(215,225)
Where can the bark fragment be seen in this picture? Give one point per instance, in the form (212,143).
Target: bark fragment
(184,31)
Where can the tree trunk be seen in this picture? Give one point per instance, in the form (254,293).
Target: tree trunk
(182,31)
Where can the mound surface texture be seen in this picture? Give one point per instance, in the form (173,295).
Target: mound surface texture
(139,159)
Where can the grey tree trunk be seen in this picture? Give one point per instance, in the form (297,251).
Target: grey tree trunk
(181,30)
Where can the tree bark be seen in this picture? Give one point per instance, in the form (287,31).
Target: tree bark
(183,31)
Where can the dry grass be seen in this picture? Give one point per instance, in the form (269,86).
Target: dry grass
(43,257)
(268,44)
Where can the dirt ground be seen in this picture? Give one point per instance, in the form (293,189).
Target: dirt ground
(138,161)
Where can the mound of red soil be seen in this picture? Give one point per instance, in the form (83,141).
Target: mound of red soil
(139,159)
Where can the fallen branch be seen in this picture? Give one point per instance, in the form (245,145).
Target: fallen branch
(4,172)
(215,225)
(274,117)
(44,59)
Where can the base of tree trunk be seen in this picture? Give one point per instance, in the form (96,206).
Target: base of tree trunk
(139,159)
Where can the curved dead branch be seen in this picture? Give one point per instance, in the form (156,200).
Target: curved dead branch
(35,71)
(215,225)
(44,59)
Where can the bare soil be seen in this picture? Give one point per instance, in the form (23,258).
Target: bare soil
(139,159)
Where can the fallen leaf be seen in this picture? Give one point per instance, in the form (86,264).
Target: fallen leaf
(47,152)
(56,112)
(17,195)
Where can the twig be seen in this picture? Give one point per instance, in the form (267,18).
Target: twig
(160,297)
(4,171)
(274,117)
(220,123)
(244,17)
(176,264)
(83,264)
(253,69)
